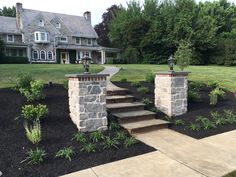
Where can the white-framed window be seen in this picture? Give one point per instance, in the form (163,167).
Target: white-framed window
(41,37)
(10,38)
(58,25)
(89,41)
(50,55)
(64,39)
(35,55)
(95,42)
(41,23)
(78,40)
(42,55)
(85,54)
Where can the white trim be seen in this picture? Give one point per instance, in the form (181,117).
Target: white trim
(58,25)
(41,51)
(13,39)
(48,55)
(79,40)
(41,22)
(38,37)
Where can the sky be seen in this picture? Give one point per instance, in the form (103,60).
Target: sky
(72,7)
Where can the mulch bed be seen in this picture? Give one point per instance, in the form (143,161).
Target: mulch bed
(201,108)
(57,131)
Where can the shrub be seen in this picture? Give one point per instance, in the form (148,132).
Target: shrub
(213,84)
(194,126)
(79,137)
(88,148)
(136,83)
(32,113)
(230,117)
(120,135)
(66,153)
(35,92)
(150,77)
(143,90)
(96,136)
(33,133)
(130,141)
(146,101)
(215,95)
(183,55)
(218,118)
(193,95)
(23,81)
(35,157)
(114,126)
(206,124)
(109,143)
(14,60)
(123,80)
(179,122)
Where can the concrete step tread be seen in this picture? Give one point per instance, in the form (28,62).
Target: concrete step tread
(133,114)
(115,89)
(144,123)
(124,105)
(119,97)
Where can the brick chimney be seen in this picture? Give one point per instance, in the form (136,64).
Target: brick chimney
(87,16)
(19,10)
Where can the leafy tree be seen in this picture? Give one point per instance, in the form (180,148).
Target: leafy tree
(183,55)
(102,29)
(8,11)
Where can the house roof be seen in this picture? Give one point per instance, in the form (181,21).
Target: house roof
(77,25)
(8,25)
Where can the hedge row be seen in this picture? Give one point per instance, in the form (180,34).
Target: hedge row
(14,60)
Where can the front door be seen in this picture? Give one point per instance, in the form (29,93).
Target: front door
(64,57)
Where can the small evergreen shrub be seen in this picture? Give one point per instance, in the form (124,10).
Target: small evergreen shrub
(179,122)
(213,84)
(194,126)
(96,136)
(205,123)
(33,133)
(215,95)
(34,113)
(66,153)
(109,143)
(120,135)
(79,137)
(218,118)
(193,95)
(35,157)
(150,77)
(35,92)
(143,90)
(114,126)
(229,116)
(23,81)
(88,148)
(130,141)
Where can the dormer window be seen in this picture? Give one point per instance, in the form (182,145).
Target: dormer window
(58,25)
(10,38)
(41,37)
(78,40)
(41,23)
(89,41)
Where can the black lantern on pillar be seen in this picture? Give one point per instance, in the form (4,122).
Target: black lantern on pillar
(86,61)
(171,62)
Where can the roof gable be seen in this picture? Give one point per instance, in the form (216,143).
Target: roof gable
(8,25)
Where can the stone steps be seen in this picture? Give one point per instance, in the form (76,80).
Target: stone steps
(120,99)
(133,116)
(145,125)
(124,107)
(119,91)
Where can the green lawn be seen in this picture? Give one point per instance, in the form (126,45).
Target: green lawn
(47,72)
(225,75)
(232,174)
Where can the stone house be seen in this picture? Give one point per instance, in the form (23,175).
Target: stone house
(46,37)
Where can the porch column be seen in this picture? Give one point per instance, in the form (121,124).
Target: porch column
(103,55)
(28,54)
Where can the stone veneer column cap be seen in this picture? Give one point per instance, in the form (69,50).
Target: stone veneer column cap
(173,73)
(85,75)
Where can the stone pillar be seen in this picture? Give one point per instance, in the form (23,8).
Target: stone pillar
(171,92)
(87,101)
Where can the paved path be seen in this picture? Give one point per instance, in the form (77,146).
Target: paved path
(111,70)
(178,155)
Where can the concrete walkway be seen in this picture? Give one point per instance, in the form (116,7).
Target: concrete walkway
(178,155)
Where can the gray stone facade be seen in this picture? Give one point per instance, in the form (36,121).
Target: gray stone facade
(171,92)
(87,101)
